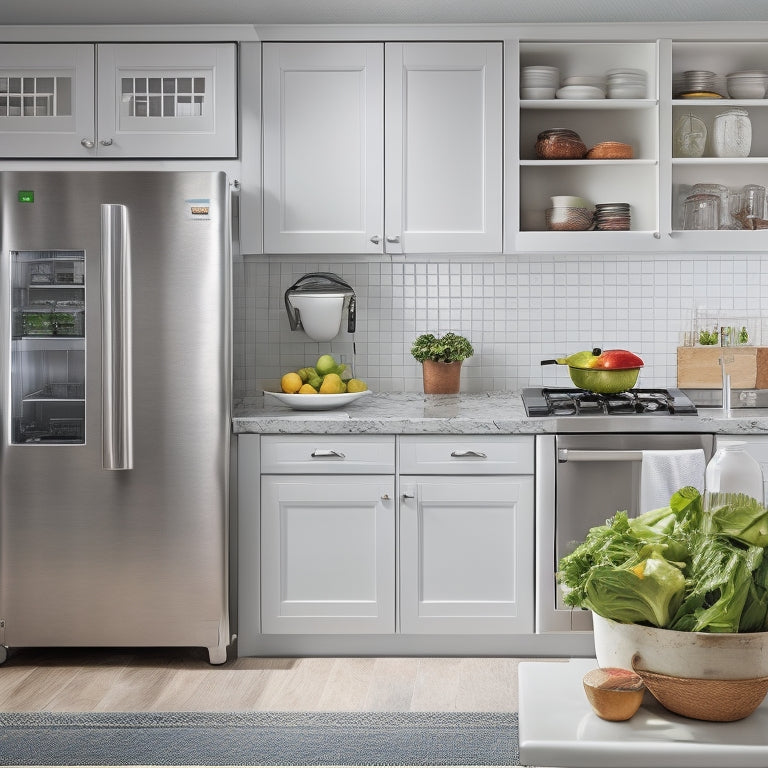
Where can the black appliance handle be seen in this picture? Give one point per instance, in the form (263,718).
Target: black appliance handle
(329,276)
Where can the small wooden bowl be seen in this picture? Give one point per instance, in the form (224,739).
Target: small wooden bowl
(614,693)
(560,148)
(610,150)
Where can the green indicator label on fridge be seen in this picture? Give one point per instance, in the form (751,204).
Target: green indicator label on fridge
(26,196)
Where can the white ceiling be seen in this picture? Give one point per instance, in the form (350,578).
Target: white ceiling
(265,12)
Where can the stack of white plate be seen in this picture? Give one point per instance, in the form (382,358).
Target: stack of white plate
(625,83)
(539,82)
(698,81)
(747,85)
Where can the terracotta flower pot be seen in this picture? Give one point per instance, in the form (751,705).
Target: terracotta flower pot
(441,378)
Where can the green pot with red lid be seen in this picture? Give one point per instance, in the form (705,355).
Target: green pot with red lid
(604,372)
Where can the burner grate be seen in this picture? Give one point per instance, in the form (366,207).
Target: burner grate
(579,402)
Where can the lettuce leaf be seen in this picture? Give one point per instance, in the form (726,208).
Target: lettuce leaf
(650,591)
(740,517)
(681,566)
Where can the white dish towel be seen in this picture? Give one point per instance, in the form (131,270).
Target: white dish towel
(664,472)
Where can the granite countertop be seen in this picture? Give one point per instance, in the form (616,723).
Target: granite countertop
(488,413)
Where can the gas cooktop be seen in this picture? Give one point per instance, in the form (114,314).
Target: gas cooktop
(551,401)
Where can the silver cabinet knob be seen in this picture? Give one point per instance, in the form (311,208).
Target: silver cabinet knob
(393,238)
(88,143)
(375,239)
(385,497)
(106,142)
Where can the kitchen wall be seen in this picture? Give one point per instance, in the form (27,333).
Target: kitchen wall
(515,310)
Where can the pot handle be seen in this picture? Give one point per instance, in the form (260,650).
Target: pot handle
(549,362)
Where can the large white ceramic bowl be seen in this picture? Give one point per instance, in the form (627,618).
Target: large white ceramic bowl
(317,402)
(703,655)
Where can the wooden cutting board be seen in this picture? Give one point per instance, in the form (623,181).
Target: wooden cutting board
(699,367)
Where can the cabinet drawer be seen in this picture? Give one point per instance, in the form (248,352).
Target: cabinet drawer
(323,454)
(468,455)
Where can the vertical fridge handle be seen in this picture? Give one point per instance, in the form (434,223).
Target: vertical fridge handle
(116,343)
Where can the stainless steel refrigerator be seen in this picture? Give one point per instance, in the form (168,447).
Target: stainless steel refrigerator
(116,361)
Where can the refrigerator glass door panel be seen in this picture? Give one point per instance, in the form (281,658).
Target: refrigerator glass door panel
(92,556)
(47,347)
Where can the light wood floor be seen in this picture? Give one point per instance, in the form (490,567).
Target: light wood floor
(83,680)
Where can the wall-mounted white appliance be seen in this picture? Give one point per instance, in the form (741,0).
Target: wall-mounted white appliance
(317,302)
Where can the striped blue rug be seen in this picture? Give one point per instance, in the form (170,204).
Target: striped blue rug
(259,738)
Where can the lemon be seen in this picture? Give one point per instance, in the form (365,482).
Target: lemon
(307,389)
(332,385)
(291,383)
(326,364)
(355,385)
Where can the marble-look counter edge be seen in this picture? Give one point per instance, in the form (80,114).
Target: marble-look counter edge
(488,413)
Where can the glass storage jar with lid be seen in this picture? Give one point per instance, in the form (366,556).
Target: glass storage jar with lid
(732,134)
(689,136)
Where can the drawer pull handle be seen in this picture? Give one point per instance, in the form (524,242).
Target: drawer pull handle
(468,455)
(408,496)
(327,454)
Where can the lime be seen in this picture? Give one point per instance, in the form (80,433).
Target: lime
(326,364)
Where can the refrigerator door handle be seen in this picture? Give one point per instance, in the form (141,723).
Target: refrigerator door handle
(116,342)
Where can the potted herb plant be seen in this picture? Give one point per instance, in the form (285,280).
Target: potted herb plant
(441,359)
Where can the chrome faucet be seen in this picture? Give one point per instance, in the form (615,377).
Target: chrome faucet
(724,360)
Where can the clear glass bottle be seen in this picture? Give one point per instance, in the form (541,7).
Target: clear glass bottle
(733,470)
(732,134)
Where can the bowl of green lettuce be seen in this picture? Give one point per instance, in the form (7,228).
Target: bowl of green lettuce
(684,587)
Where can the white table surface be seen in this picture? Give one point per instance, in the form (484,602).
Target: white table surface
(558,729)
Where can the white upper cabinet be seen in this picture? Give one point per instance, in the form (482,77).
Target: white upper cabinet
(443,139)
(167,100)
(118,101)
(630,120)
(46,100)
(334,112)
(323,147)
(730,174)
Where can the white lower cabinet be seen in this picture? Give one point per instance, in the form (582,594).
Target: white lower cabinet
(466,536)
(466,562)
(327,535)
(343,553)
(328,554)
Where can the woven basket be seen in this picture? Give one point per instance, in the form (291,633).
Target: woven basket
(715,700)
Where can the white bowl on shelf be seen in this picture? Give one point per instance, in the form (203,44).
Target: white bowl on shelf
(570,201)
(580,92)
(746,85)
(537,93)
(626,91)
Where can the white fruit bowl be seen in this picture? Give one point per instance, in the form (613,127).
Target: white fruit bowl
(317,402)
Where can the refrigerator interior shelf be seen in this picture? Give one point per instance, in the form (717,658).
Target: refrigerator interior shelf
(58,391)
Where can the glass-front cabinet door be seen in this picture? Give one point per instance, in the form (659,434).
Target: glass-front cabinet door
(48,347)
(46,100)
(167,100)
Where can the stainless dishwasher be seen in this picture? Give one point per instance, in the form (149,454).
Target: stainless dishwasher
(589,468)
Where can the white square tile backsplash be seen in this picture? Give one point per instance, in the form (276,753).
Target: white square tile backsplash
(515,310)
